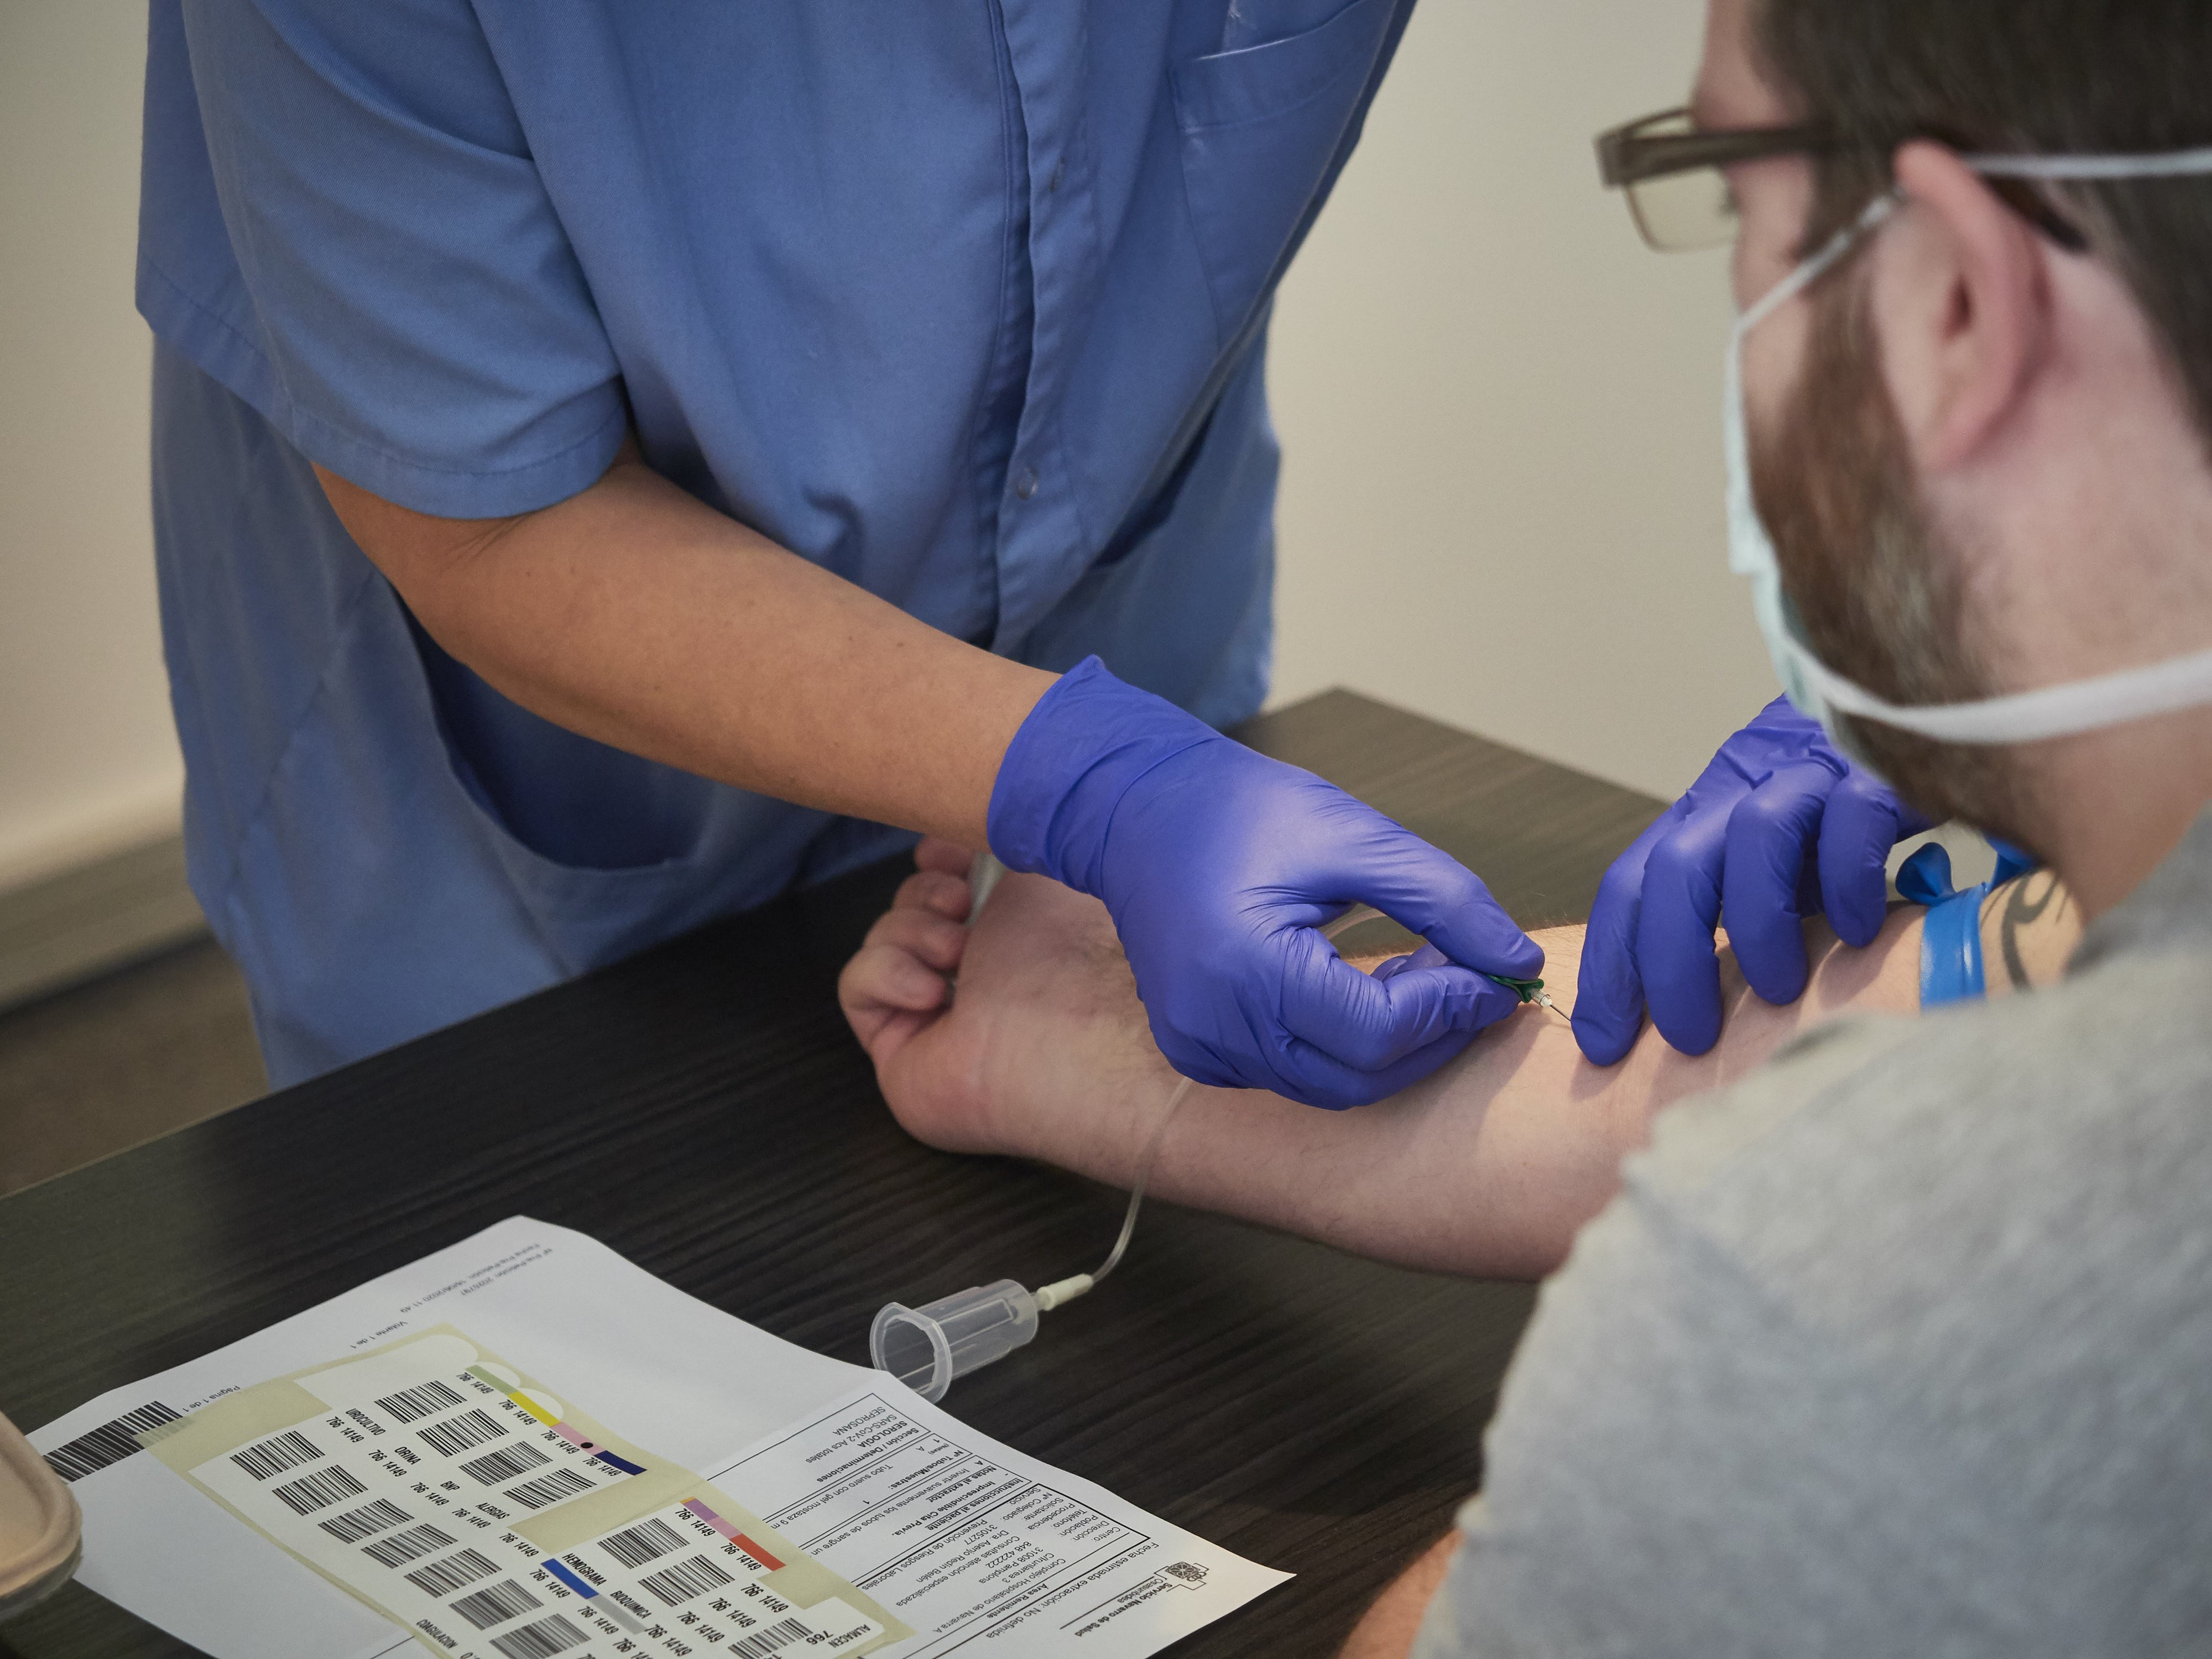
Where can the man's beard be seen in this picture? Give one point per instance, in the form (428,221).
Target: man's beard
(1879,588)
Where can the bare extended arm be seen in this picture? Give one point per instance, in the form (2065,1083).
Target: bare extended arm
(1489,1167)
(636,615)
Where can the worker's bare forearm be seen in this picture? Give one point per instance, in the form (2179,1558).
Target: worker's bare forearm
(636,615)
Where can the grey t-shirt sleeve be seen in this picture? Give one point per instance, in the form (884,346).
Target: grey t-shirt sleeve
(1903,1345)
(1899,1347)
(1678,1454)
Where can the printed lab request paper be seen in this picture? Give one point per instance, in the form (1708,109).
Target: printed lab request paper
(524,1447)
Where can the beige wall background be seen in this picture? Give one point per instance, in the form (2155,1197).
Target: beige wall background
(87,755)
(1502,500)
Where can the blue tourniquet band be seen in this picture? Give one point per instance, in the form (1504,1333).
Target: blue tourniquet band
(1951,948)
(1951,934)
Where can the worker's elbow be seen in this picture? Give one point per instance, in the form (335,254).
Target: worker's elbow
(414,549)
(434,563)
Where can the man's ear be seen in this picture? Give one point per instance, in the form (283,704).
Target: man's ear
(1963,307)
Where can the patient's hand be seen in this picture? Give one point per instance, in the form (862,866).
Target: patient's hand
(1043,1043)
(898,988)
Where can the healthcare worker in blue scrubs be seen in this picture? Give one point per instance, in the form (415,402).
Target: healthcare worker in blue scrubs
(615,459)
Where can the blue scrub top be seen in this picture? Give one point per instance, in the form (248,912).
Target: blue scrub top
(965,302)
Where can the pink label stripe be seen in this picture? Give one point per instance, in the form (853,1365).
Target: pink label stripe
(730,1533)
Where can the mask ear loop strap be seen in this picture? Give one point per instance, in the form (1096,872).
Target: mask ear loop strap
(2166,164)
(1807,273)
(1822,262)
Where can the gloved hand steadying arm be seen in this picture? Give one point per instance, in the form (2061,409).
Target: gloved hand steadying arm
(1778,828)
(1218,865)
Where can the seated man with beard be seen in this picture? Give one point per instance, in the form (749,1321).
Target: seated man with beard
(1901,1341)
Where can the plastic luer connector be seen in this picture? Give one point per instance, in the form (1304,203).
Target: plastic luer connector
(926,1347)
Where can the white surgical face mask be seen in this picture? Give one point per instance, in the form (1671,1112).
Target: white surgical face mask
(2053,711)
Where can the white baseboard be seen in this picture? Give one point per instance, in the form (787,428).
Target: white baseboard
(98,914)
(34,845)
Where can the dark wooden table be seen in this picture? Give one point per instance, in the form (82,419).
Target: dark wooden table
(1309,1410)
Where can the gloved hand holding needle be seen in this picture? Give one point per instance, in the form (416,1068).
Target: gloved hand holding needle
(1218,865)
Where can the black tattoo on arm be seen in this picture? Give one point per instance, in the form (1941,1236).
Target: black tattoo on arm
(2024,908)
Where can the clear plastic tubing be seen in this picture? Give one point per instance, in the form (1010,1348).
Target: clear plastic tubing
(926,1347)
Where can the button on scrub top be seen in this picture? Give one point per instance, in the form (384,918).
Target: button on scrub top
(965,302)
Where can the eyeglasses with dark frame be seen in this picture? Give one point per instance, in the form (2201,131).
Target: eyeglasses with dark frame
(1673,173)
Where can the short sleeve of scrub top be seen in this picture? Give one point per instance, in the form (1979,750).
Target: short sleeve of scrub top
(406,307)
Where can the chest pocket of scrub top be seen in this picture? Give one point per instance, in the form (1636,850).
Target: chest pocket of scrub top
(1260,126)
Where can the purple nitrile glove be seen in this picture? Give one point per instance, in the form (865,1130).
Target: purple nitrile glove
(1218,865)
(1778,828)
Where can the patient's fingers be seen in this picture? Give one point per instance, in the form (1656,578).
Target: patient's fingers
(935,891)
(933,941)
(895,984)
(947,858)
(884,976)
(888,997)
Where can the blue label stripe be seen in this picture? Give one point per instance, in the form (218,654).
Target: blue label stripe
(568,1578)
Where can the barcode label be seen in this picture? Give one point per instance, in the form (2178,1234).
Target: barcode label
(504,1464)
(456,1435)
(423,1400)
(541,1640)
(772,1638)
(635,1546)
(111,1443)
(319,1491)
(456,1571)
(495,1603)
(364,1522)
(550,1487)
(675,1585)
(402,1547)
(277,1454)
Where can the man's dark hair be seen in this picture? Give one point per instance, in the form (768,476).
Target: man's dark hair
(2040,77)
